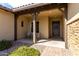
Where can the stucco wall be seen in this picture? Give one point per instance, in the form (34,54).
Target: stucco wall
(22,31)
(6,25)
(73,28)
(73,11)
(43,25)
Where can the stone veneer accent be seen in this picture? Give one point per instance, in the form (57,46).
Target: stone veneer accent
(73,36)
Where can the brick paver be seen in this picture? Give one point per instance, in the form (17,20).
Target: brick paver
(54,51)
(46,48)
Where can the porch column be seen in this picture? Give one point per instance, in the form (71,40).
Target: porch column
(65,15)
(15,27)
(65,26)
(34,27)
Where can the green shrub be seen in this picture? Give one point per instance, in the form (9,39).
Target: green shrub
(5,44)
(25,51)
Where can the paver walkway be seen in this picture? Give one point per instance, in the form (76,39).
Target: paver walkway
(47,48)
(52,48)
(54,51)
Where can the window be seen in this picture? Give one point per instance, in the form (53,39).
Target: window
(37,27)
(22,23)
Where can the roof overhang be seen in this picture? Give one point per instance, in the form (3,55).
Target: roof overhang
(23,7)
(28,6)
(6,9)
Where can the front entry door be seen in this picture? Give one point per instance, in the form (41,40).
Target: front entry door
(56,28)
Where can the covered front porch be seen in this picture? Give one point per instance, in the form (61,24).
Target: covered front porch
(44,23)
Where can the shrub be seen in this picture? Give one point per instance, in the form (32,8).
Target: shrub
(5,44)
(25,51)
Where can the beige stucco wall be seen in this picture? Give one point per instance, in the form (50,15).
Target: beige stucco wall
(73,11)
(43,25)
(22,31)
(73,27)
(6,25)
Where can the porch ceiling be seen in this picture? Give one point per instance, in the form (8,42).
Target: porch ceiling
(42,8)
(50,13)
